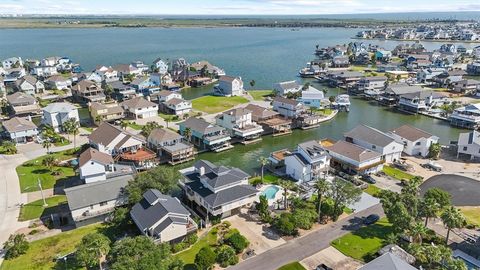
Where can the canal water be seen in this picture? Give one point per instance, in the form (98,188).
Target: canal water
(262,54)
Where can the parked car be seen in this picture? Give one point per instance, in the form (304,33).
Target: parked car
(431,165)
(368,179)
(323,267)
(371,219)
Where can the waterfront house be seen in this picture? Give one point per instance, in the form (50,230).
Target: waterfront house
(204,135)
(140,66)
(217,190)
(427,75)
(87,91)
(288,108)
(170,146)
(58,82)
(229,86)
(353,158)
(473,68)
(23,104)
(12,62)
(340,61)
(418,61)
(139,108)
(392,93)
(208,69)
(447,78)
(344,79)
(44,71)
(144,85)
(383,55)
(57,114)
(308,162)
(20,130)
(122,91)
(126,70)
(272,122)
(12,75)
(416,142)
(107,112)
(106,74)
(162,218)
(421,101)
(313,98)
(172,102)
(389,67)
(30,85)
(466,117)
(238,122)
(387,261)
(94,77)
(375,83)
(93,202)
(467,86)
(375,140)
(469,145)
(94,165)
(284,88)
(160,66)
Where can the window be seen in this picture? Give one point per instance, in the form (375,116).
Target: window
(374,147)
(465,148)
(418,143)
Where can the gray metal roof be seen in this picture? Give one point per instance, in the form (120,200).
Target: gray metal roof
(94,193)
(218,176)
(200,125)
(223,197)
(387,261)
(370,135)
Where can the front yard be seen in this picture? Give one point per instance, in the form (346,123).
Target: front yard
(267,179)
(188,256)
(364,243)
(472,214)
(35,209)
(373,190)
(292,266)
(215,104)
(260,94)
(397,173)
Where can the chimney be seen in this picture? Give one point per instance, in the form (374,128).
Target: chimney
(30,118)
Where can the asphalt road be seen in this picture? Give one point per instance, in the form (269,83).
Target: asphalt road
(465,191)
(303,247)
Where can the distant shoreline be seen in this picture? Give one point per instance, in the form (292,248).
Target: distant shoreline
(421,40)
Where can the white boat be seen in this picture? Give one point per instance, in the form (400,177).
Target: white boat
(342,102)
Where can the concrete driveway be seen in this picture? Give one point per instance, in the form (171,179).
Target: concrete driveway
(331,257)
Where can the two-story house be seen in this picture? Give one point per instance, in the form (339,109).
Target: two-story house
(229,86)
(23,104)
(20,130)
(106,74)
(172,102)
(88,91)
(375,84)
(466,117)
(313,97)
(94,165)
(30,85)
(288,107)
(162,218)
(217,190)
(272,122)
(421,101)
(139,108)
(354,158)
(170,146)
(467,86)
(416,142)
(375,140)
(58,82)
(122,91)
(238,123)
(56,114)
(105,112)
(284,88)
(308,162)
(161,66)
(469,145)
(204,135)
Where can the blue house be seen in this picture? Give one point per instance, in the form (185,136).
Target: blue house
(145,85)
(204,135)
(313,98)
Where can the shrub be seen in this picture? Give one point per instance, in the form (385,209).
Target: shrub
(285,224)
(191,239)
(179,247)
(237,241)
(15,246)
(205,258)
(226,256)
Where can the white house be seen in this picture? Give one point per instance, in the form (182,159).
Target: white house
(20,130)
(355,159)
(416,142)
(140,108)
(421,101)
(44,71)
(113,140)
(230,86)
(178,106)
(94,165)
(375,83)
(161,217)
(58,82)
(313,97)
(469,145)
(12,62)
(288,107)
(309,162)
(283,88)
(375,140)
(161,66)
(30,85)
(56,114)
(466,117)
(239,123)
(107,74)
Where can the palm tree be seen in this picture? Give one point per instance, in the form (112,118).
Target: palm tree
(263,161)
(98,119)
(429,209)
(47,144)
(187,133)
(252,83)
(417,232)
(434,150)
(286,185)
(74,130)
(452,218)
(167,120)
(124,124)
(9,147)
(321,186)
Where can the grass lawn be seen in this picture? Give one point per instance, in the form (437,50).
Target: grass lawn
(364,243)
(42,253)
(472,214)
(35,209)
(214,104)
(358,68)
(62,142)
(84,114)
(171,117)
(188,256)
(32,170)
(267,179)
(373,190)
(135,126)
(88,129)
(292,266)
(324,112)
(397,173)
(260,94)
(44,103)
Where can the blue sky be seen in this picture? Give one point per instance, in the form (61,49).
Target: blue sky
(210,7)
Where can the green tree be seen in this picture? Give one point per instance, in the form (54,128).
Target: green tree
(284,224)
(15,246)
(399,216)
(343,193)
(237,241)
(434,150)
(188,134)
(162,178)
(71,128)
(226,256)
(417,232)
(92,248)
(9,147)
(120,220)
(322,187)
(452,218)
(262,208)
(263,161)
(304,218)
(439,196)
(205,258)
(49,161)
(98,119)
(47,144)
(428,209)
(286,185)
(124,124)
(149,127)
(108,91)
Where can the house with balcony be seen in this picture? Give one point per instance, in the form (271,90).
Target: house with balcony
(23,104)
(416,142)
(466,117)
(468,86)
(44,71)
(313,97)
(391,95)
(105,74)
(204,135)
(229,86)
(427,75)
(161,66)
(367,85)
(88,91)
(105,112)
(421,101)
(288,108)
(171,147)
(29,85)
(239,124)
(126,70)
(353,158)
(93,202)
(58,82)
(309,162)
(375,140)
(122,91)
(20,130)
(139,108)
(284,88)
(145,85)
(94,165)
(57,114)
(469,145)
(217,191)
(162,218)
(270,121)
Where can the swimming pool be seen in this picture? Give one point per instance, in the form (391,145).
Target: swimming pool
(472,263)
(270,192)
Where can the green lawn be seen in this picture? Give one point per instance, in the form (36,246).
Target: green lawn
(84,113)
(292,266)
(364,243)
(188,256)
(35,209)
(32,170)
(42,253)
(397,173)
(171,117)
(267,179)
(472,214)
(358,68)
(135,126)
(373,190)
(44,103)
(260,94)
(214,104)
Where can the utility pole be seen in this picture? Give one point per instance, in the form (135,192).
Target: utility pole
(41,192)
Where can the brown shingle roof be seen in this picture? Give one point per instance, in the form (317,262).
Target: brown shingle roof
(411,133)
(95,155)
(17,124)
(138,102)
(20,98)
(286,101)
(260,112)
(160,134)
(353,151)
(174,101)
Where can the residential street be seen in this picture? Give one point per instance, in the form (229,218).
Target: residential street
(303,247)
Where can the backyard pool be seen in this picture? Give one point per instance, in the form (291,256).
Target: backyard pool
(270,192)
(472,263)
